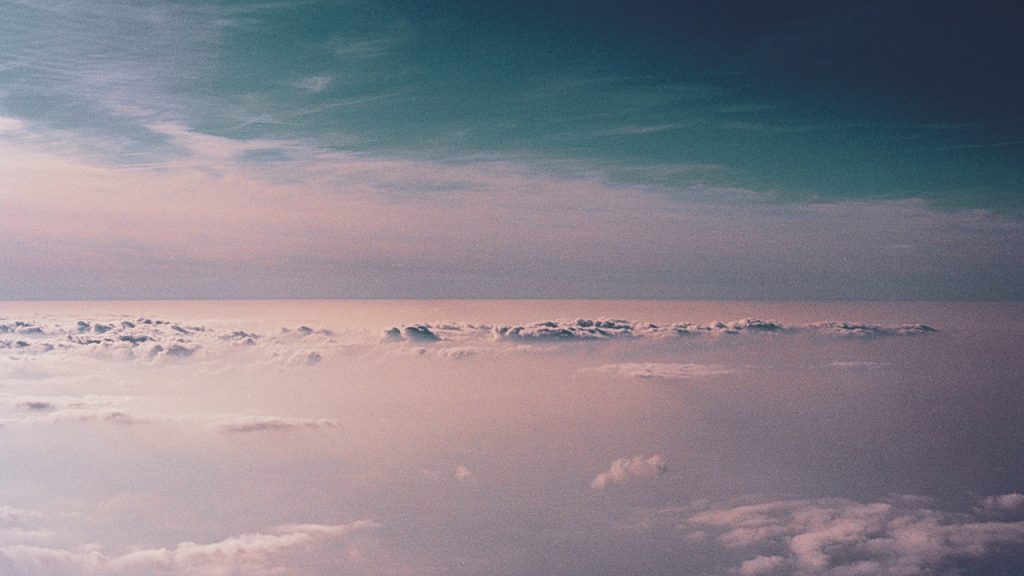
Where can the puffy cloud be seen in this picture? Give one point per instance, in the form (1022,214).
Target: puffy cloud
(411,333)
(243,555)
(833,537)
(626,469)
(151,340)
(156,340)
(652,370)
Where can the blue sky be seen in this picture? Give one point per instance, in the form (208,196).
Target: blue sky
(738,108)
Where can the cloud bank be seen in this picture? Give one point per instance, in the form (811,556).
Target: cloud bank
(609,329)
(151,340)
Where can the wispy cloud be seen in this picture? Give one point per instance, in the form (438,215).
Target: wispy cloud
(314,83)
(661,371)
(253,424)
(249,554)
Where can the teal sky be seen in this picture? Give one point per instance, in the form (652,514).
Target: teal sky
(803,102)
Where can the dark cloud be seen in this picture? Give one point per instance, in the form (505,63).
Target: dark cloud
(36,405)
(411,333)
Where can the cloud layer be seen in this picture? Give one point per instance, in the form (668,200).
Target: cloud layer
(151,340)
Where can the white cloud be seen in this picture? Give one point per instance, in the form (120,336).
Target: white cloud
(627,469)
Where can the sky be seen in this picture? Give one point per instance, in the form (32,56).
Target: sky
(399,149)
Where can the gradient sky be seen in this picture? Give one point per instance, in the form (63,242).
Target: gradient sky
(497,149)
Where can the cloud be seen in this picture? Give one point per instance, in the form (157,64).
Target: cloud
(857,365)
(627,469)
(249,424)
(833,537)
(156,340)
(11,516)
(56,409)
(250,554)
(314,83)
(411,333)
(858,330)
(608,329)
(463,474)
(761,565)
(651,370)
(1002,503)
